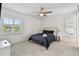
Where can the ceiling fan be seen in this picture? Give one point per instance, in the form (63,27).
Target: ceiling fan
(43,12)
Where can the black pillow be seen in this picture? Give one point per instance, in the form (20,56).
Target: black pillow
(47,31)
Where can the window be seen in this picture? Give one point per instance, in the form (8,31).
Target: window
(69,26)
(11,24)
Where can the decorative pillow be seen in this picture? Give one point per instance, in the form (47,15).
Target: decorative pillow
(47,31)
(44,35)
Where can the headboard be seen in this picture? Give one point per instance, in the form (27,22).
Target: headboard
(55,29)
(48,28)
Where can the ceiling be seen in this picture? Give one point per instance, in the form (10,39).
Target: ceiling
(28,8)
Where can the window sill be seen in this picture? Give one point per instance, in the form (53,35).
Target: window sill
(7,33)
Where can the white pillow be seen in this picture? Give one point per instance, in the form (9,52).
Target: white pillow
(44,35)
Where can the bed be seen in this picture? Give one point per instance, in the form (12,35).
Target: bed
(44,38)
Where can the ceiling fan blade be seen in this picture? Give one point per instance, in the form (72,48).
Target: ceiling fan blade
(48,12)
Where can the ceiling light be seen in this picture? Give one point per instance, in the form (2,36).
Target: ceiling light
(41,15)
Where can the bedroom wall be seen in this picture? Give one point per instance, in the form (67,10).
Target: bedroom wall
(31,25)
(59,22)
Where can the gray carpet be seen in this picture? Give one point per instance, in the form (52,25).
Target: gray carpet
(56,49)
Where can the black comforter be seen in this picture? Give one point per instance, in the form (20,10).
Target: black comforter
(45,41)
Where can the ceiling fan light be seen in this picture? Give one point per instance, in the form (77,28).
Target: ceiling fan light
(41,15)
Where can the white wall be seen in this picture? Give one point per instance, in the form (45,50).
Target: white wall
(31,25)
(77,22)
